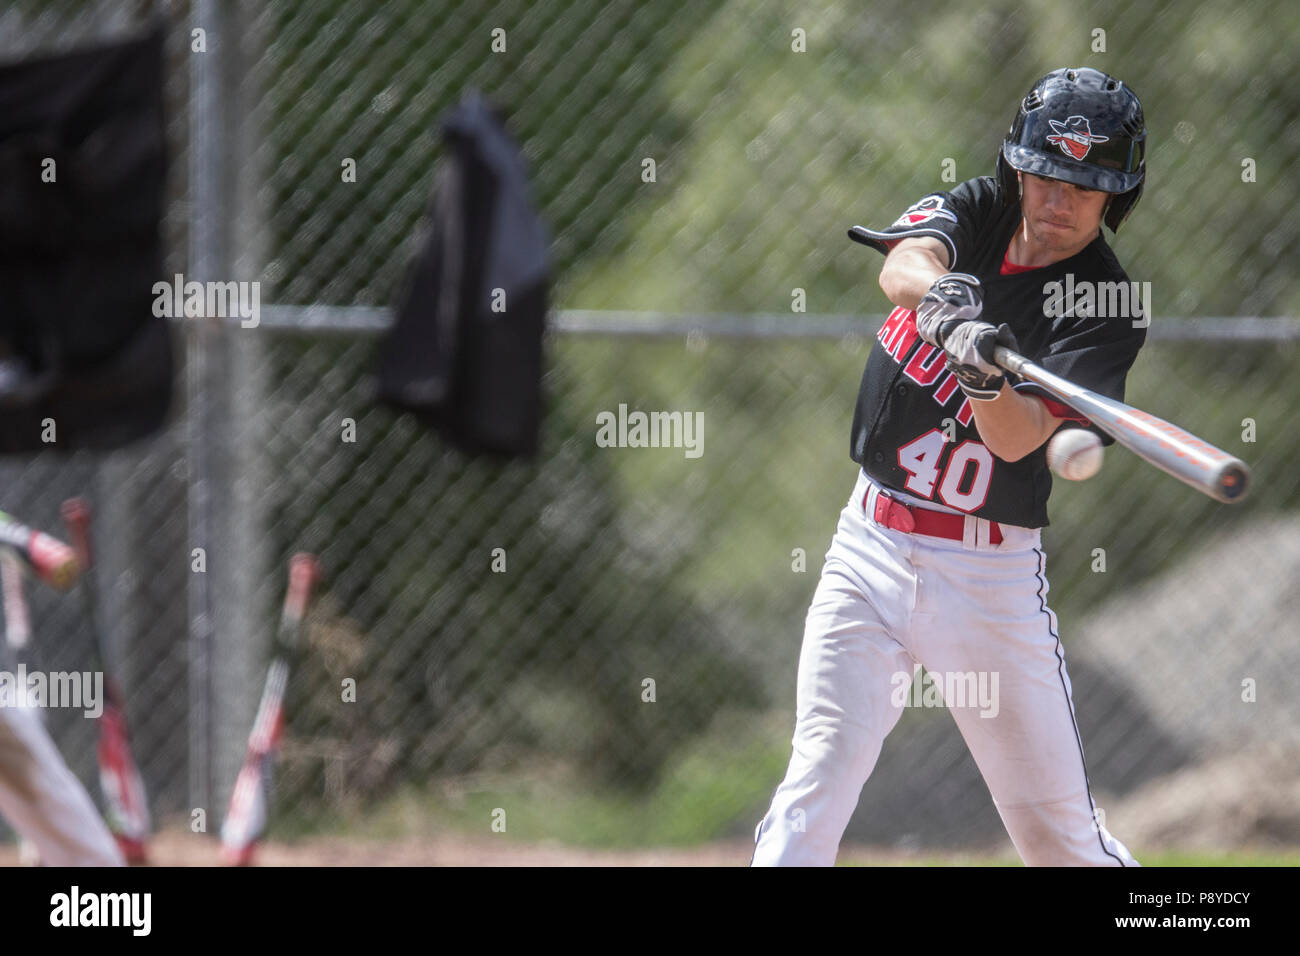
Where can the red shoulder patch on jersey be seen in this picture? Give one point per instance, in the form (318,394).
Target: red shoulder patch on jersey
(931,207)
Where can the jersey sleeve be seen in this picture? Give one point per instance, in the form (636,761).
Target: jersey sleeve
(1096,354)
(951,217)
(1061,410)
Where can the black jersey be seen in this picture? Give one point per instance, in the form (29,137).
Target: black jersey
(914,429)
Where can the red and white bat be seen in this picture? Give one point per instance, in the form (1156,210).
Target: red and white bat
(126,807)
(246,816)
(47,557)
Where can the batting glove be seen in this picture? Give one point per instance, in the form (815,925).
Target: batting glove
(970,357)
(954,298)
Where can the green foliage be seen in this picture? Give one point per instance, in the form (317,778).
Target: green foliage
(765,155)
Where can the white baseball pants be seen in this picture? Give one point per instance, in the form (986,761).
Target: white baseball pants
(889,599)
(44,801)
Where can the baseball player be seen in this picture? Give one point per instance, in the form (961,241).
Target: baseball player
(937,559)
(43,799)
(39,795)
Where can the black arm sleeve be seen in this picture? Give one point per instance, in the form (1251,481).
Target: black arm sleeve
(954,218)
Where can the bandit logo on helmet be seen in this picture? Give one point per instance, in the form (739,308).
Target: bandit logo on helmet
(1074,136)
(930,207)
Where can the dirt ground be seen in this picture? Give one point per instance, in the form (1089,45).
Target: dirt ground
(186,849)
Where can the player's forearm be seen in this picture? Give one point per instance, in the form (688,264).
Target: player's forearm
(908,274)
(1013,425)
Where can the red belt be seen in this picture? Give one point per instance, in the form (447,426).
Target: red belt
(892,513)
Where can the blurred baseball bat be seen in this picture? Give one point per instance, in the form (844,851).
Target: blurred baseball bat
(126,807)
(18,623)
(47,557)
(1209,470)
(246,816)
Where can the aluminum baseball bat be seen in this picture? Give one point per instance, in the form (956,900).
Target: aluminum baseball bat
(246,816)
(47,557)
(126,804)
(1209,470)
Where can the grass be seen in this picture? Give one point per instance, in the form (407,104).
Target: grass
(715,792)
(726,776)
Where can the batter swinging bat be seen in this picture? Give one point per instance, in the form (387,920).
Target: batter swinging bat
(126,808)
(48,558)
(246,816)
(1209,470)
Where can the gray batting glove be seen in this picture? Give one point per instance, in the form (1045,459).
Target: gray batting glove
(954,298)
(970,357)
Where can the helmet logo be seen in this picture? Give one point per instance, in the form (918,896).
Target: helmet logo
(1074,136)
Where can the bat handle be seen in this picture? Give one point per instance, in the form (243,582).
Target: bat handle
(76,516)
(304,572)
(1011,361)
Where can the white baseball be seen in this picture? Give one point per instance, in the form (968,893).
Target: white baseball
(1075,454)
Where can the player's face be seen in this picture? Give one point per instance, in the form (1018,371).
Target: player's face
(1059,215)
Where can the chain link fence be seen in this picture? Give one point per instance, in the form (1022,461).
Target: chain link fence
(615,630)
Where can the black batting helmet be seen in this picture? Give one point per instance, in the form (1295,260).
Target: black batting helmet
(1084,127)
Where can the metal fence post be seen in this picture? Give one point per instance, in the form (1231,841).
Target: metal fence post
(207,161)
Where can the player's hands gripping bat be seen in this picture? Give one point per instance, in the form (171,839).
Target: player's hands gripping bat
(126,806)
(246,817)
(953,298)
(48,558)
(970,349)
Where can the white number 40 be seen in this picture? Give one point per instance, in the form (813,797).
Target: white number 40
(970,464)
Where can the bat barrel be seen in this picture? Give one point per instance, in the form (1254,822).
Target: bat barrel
(1232,481)
(1174,451)
(1224,478)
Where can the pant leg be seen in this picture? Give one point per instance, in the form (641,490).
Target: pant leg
(44,801)
(1023,735)
(849,698)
